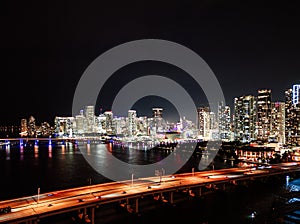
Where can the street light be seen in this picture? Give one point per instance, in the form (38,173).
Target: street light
(38,195)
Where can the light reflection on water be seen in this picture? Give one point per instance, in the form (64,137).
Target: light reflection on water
(59,166)
(102,157)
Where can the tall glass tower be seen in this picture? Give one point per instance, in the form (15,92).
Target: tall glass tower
(292,115)
(244,119)
(90,118)
(264,109)
(131,123)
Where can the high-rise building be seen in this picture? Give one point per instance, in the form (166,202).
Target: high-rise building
(24,128)
(31,126)
(263,114)
(296,126)
(142,125)
(289,115)
(213,121)
(244,118)
(119,125)
(101,123)
(132,123)
(109,122)
(278,122)
(292,117)
(203,122)
(80,124)
(224,121)
(45,129)
(158,124)
(64,126)
(89,113)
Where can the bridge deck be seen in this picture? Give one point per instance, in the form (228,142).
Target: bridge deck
(51,203)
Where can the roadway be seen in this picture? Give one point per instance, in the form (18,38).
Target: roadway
(51,203)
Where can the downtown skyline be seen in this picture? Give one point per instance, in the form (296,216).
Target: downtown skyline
(152,103)
(254,118)
(249,46)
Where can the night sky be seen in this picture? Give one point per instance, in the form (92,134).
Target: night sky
(47,45)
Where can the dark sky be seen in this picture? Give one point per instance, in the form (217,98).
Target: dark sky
(47,45)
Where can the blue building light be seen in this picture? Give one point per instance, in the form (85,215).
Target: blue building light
(296,93)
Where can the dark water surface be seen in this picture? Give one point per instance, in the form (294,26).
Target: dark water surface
(25,169)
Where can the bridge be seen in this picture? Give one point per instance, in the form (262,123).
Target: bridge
(49,140)
(128,193)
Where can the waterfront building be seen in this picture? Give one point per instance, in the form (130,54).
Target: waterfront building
(244,119)
(157,123)
(188,130)
(89,113)
(224,122)
(263,114)
(24,128)
(101,122)
(119,125)
(45,129)
(292,117)
(109,122)
(31,126)
(213,126)
(142,125)
(277,122)
(64,126)
(296,126)
(80,124)
(296,122)
(289,115)
(203,115)
(132,123)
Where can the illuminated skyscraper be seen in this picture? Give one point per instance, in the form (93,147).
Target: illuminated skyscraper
(203,122)
(24,128)
(89,113)
(278,122)
(289,115)
(131,123)
(31,126)
(64,126)
(80,123)
(264,114)
(292,117)
(224,121)
(109,122)
(119,125)
(244,119)
(45,129)
(101,123)
(157,123)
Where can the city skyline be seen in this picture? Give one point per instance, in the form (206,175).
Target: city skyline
(248,46)
(148,111)
(254,118)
